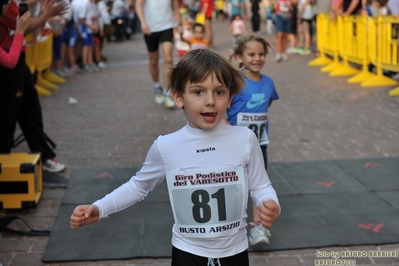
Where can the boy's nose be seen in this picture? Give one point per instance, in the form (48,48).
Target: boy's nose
(210,100)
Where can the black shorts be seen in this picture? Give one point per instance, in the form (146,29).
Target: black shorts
(182,258)
(152,41)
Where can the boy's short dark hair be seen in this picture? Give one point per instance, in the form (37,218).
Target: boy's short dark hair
(197,65)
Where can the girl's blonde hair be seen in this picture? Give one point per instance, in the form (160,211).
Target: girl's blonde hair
(239,45)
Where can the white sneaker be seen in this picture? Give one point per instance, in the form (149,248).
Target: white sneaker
(95,68)
(290,50)
(88,69)
(102,65)
(61,73)
(258,235)
(395,76)
(159,98)
(51,165)
(284,57)
(169,103)
(278,58)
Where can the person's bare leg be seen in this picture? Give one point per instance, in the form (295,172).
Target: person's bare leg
(167,52)
(279,42)
(90,55)
(208,30)
(153,66)
(85,52)
(306,35)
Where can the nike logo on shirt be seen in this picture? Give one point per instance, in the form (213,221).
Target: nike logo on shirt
(256,100)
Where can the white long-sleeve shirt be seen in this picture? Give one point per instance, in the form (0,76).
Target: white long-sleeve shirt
(209,174)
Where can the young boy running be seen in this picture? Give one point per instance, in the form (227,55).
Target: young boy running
(209,177)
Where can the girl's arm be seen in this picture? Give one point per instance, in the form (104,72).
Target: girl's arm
(10,59)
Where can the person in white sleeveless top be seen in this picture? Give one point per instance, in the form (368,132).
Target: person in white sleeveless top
(158,18)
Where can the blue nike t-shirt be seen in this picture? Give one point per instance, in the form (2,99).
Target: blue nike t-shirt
(249,107)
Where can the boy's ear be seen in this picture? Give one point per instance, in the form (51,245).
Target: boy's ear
(231,98)
(178,99)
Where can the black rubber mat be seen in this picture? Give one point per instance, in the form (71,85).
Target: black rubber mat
(324,203)
(54,180)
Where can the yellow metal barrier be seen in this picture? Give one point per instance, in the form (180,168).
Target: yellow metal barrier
(385,56)
(43,59)
(345,35)
(30,44)
(363,41)
(323,21)
(332,45)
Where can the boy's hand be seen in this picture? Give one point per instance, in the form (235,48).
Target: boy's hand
(268,212)
(84,215)
(23,23)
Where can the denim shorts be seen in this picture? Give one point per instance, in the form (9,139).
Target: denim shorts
(284,24)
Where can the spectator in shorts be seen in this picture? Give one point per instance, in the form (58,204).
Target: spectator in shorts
(284,27)
(69,38)
(88,26)
(158,19)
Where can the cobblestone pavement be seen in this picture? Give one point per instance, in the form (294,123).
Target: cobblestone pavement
(115,121)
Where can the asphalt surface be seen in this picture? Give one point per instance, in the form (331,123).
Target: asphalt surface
(115,121)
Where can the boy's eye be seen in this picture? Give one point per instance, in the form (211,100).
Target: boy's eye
(219,92)
(197,92)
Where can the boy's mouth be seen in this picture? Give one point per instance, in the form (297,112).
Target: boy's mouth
(209,114)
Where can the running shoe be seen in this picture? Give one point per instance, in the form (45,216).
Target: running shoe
(258,235)
(159,98)
(278,58)
(51,165)
(169,103)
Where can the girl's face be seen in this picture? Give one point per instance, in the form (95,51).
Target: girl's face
(198,33)
(205,103)
(253,57)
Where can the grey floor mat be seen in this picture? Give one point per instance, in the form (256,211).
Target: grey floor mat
(324,203)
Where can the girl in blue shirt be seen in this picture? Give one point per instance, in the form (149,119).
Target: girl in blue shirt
(250,107)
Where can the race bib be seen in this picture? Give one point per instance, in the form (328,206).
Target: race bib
(207,203)
(257,123)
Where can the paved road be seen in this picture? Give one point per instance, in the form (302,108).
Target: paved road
(116,120)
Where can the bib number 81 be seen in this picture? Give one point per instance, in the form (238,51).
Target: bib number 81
(202,211)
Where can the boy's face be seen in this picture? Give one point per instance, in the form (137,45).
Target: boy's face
(198,33)
(204,103)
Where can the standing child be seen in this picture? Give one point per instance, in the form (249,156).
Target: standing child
(250,108)
(198,40)
(237,27)
(88,26)
(70,38)
(209,205)
(183,47)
